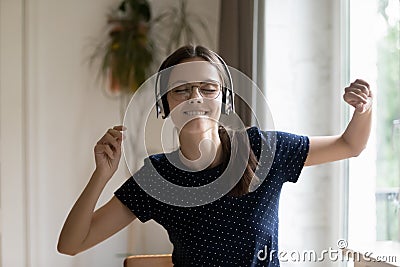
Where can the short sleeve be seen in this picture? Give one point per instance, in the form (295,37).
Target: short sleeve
(135,198)
(290,155)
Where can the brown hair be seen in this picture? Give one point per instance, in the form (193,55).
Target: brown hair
(228,145)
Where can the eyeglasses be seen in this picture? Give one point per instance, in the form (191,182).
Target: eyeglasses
(210,90)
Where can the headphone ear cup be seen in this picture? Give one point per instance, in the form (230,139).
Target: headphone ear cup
(223,106)
(228,94)
(159,108)
(231,104)
(227,104)
(164,106)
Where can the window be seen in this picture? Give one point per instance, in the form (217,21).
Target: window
(374,177)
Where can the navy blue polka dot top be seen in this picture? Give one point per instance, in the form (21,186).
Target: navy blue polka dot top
(230,231)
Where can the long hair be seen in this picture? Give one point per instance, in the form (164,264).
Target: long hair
(228,145)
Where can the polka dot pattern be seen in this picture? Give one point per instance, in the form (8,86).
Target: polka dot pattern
(231,230)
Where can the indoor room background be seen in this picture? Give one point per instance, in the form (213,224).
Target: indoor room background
(53,110)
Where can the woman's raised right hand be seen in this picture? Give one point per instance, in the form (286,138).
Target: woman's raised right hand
(107,151)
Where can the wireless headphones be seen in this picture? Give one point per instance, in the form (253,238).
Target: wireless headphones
(227,93)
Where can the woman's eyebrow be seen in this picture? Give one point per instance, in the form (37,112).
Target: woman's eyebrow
(203,80)
(184,82)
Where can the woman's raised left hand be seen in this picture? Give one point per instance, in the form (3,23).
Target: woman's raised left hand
(359,95)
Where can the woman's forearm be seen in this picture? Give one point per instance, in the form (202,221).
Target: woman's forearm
(77,224)
(358,130)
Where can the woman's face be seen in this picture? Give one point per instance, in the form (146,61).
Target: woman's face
(194,95)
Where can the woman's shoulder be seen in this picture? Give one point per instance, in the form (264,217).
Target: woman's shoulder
(163,158)
(274,139)
(255,130)
(156,157)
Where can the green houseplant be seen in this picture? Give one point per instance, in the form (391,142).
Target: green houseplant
(128,52)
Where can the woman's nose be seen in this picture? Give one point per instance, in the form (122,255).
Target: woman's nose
(195,95)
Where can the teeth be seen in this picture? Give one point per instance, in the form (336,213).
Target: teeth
(195,113)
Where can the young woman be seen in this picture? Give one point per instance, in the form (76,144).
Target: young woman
(234,228)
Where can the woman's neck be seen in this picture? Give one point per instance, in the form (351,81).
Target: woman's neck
(200,150)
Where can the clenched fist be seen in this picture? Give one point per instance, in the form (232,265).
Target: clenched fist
(359,95)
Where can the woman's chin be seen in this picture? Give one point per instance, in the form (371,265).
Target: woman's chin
(198,125)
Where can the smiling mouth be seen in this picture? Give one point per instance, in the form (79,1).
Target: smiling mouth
(195,113)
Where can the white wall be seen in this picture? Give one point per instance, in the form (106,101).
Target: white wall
(52,113)
(66,112)
(13,211)
(302,61)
